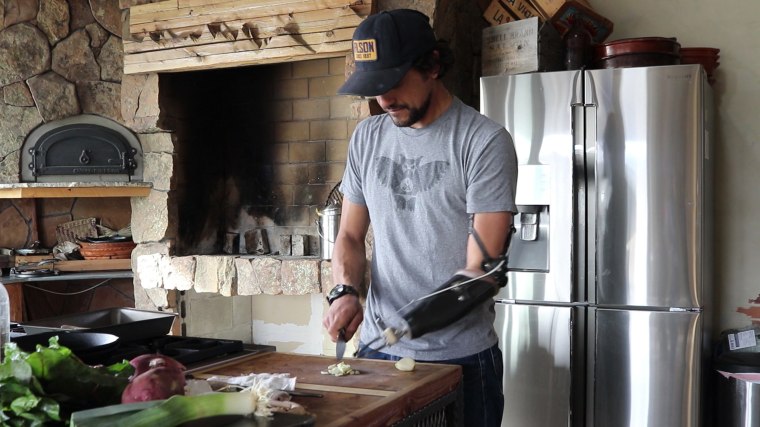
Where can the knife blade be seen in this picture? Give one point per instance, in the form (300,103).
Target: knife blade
(340,345)
(302,393)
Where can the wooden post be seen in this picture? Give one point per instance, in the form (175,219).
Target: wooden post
(16,299)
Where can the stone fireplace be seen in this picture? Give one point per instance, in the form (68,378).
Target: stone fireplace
(249,150)
(243,140)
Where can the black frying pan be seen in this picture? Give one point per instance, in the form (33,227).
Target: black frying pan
(79,342)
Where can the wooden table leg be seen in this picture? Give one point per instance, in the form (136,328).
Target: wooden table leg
(16,297)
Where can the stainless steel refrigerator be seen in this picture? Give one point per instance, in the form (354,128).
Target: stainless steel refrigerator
(603,322)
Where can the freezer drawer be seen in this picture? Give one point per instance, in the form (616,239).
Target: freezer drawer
(535,341)
(647,368)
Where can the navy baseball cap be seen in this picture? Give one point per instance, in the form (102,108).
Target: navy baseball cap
(385,45)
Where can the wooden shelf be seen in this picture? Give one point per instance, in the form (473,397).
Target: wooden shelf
(47,190)
(77,265)
(68,271)
(64,277)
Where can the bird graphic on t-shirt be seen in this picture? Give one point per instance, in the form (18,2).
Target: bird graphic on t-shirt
(407,178)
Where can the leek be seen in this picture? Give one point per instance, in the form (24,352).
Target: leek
(176,410)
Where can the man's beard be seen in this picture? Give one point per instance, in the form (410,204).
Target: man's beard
(415,114)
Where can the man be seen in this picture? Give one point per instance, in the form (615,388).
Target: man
(424,173)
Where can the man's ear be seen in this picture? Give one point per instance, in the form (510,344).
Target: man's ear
(435,71)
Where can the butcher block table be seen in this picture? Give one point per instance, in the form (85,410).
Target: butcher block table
(380,395)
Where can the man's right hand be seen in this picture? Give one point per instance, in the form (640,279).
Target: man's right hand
(345,312)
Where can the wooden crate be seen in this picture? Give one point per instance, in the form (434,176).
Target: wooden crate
(548,8)
(597,25)
(497,14)
(502,11)
(520,47)
(523,9)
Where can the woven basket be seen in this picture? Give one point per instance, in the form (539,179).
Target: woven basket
(78,229)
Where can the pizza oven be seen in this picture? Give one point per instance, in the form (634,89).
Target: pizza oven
(83,148)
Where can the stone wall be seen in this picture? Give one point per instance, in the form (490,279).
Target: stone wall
(59,59)
(234,275)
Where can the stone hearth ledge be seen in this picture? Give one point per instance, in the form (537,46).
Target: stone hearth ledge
(232,275)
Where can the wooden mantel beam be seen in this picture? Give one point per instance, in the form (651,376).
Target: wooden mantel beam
(184,35)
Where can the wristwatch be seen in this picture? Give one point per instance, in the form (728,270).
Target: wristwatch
(340,290)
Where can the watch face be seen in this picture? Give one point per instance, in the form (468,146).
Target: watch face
(334,292)
(337,291)
(340,290)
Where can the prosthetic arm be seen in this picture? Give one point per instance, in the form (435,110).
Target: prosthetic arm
(454,299)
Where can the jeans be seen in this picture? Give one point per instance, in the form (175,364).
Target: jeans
(482,385)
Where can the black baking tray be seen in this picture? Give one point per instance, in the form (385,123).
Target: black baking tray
(128,324)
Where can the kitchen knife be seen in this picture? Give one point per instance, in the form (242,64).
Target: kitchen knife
(340,345)
(302,393)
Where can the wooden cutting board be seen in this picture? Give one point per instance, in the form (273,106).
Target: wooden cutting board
(380,395)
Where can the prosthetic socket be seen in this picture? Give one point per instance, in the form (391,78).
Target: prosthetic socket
(452,300)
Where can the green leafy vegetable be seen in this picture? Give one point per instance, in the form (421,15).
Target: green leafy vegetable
(21,395)
(43,387)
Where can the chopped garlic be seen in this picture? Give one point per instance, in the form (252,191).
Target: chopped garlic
(405,364)
(340,369)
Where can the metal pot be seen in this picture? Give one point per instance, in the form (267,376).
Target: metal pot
(27,251)
(327,228)
(34,249)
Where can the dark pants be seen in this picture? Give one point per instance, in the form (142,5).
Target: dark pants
(481,383)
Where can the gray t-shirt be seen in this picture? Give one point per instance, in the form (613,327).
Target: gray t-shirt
(421,187)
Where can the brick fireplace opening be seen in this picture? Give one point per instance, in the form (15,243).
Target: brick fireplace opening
(257,150)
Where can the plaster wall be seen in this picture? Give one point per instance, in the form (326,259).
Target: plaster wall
(291,324)
(733,27)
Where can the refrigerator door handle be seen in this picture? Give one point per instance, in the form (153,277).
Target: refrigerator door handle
(590,195)
(584,238)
